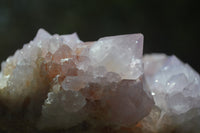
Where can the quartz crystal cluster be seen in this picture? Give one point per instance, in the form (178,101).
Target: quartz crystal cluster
(58,82)
(175,88)
(69,82)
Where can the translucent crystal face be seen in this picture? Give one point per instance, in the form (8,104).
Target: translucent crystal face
(71,81)
(125,51)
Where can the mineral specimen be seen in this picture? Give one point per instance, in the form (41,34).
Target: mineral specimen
(60,83)
(65,82)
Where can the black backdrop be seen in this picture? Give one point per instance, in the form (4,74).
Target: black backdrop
(169,26)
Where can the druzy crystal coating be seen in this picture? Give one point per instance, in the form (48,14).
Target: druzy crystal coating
(60,82)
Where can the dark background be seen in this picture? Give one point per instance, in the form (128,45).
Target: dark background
(169,26)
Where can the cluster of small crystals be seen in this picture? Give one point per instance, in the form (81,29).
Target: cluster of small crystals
(62,82)
(175,87)
(69,81)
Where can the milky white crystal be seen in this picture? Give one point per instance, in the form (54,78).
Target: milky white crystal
(68,81)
